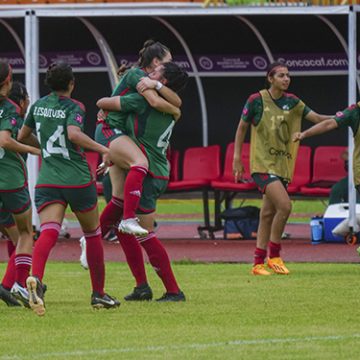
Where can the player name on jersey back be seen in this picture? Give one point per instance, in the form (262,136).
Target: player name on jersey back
(49,113)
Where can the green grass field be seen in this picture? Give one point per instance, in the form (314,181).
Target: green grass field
(230,314)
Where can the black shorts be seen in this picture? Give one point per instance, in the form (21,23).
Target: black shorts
(262,180)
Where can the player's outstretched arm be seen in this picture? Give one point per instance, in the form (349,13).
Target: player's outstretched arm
(316,118)
(317,129)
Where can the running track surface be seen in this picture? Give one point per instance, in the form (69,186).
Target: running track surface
(182,242)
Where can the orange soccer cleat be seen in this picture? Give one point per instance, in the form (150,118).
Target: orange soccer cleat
(277,265)
(260,270)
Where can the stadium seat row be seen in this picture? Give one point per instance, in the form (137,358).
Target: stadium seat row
(201,170)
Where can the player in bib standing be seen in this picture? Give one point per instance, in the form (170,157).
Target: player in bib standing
(274,115)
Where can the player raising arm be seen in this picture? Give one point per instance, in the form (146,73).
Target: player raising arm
(350,117)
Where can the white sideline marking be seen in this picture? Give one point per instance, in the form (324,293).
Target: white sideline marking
(181,347)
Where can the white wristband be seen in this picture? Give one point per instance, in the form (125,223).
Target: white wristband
(158,86)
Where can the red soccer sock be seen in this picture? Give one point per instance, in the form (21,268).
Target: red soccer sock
(22,268)
(274,250)
(95,258)
(133,189)
(134,256)
(259,256)
(49,233)
(10,247)
(160,261)
(111,215)
(9,277)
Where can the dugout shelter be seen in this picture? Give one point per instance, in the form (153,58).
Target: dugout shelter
(199,37)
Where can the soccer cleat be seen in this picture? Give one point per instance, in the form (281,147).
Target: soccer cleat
(172,297)
(104,302)
(36,295)
(259,269)
(21,294)
(8,297)
(131,226)
(278,266)
(140,293)
(44,288)
(111,236)
(83,258)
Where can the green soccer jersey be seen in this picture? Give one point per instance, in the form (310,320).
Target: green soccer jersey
(12,166)
(127,85)
(151,131)
(63,163)
(350,117)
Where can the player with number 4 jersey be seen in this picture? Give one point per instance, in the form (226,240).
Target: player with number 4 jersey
(111,131)
(151,131)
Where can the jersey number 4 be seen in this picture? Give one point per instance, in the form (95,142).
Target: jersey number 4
(164,138)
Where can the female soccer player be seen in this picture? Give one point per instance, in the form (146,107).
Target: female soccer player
(14,193)
(274,115)
(350,117)
(19,96)
(152,134)
(111,132)
(64,179)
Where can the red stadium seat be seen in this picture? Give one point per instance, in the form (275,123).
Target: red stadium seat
(328,168)
(226,183)
(201,165)
(174,165)
(302,173)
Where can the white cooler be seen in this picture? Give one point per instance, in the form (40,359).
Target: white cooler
(334,214)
